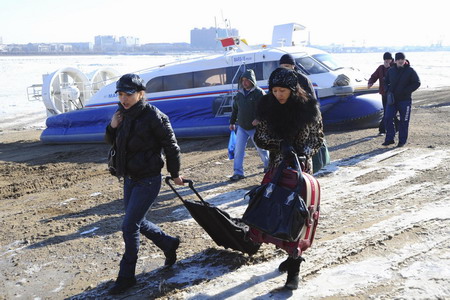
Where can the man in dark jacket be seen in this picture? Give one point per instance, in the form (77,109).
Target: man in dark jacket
(288,61)
(244,114)
(401,80)
(379,75)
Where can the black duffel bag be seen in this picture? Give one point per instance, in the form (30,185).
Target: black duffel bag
(276,210)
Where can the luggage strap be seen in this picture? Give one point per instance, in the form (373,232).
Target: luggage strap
(191,186)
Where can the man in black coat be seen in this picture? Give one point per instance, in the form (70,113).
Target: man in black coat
(400,82)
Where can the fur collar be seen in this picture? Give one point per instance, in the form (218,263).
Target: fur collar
(286,120)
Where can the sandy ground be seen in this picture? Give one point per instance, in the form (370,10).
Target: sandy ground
(383,232)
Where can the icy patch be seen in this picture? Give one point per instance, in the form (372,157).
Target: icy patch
(89,231)
(59,288)
(354,277)
(13,247)
(65,202)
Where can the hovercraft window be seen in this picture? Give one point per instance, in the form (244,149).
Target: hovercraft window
(178,82)
(187,80)
(310,65)
(154,85)
(198,79)
(209,77)
(329,61)
(170,83)
(234,73)
(268,68)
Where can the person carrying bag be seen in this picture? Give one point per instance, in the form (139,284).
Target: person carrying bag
(290,116)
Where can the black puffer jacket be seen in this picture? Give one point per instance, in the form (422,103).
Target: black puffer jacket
(401,81)
(144,132)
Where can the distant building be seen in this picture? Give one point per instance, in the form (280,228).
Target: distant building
(165,47)
(207,38)
(2,47)
(129,41)
(82,47)
(44,48)
(112,43)
(105,43)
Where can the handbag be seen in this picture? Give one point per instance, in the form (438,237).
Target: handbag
(275,209)
(231,144)
(321,158)
(112,160)
(390,100)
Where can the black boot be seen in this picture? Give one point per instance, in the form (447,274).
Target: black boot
(171,254)
(293,272)
(121,285)
(283,267)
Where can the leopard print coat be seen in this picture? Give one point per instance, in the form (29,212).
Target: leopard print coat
(306,137)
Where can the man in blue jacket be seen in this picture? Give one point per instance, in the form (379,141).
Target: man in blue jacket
(401,81)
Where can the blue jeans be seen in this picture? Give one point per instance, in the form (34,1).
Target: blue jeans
(404,108)
(242,137)
(138,198)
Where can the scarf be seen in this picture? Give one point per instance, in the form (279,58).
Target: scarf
(129,115)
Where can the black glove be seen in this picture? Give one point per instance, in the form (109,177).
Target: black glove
(286,149)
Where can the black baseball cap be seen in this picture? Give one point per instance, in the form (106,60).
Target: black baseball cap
(387,55)
(399,55)
(130,84)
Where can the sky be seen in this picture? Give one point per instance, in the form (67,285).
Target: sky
(348,22)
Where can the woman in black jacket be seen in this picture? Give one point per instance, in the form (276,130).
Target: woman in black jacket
(290,119)
(140,132)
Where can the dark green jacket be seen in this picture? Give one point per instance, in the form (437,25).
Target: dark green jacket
(245,104)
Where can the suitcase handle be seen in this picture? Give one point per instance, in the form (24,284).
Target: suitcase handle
(191,186)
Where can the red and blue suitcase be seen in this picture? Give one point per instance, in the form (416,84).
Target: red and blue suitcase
(311,194)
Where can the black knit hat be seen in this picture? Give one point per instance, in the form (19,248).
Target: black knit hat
(287,59)
(283,77)
(130,84)
(399,55)
(387,55)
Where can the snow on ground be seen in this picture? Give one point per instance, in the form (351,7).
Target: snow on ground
(415,269)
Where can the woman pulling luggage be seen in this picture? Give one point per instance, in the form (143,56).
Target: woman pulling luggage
(290,120)
(140,132)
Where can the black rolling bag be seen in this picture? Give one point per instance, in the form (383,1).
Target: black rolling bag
(225,231)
